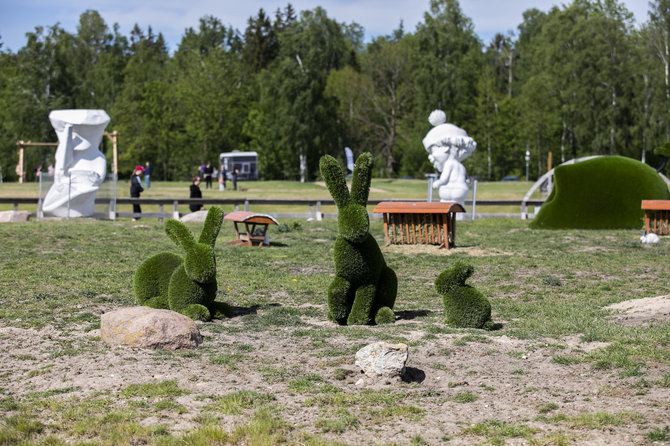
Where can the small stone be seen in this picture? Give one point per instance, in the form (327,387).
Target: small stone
(650,238)
(14,216)
(145,327)
(360,382)
(383,359)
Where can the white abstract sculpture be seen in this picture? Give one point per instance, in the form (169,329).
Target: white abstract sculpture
(447,146)
(80,166)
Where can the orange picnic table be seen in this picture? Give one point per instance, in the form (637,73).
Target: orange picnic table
(256,226)
(414,222)
(657,216)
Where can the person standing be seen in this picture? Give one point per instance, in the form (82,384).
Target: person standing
(195,192)
(136,189)
(234,179)
(147,175)
(209,170)
(222,178)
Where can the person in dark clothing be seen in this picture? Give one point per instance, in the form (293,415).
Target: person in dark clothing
(195,193)
(209,170)
(234,179)
(222,178)
(136,189)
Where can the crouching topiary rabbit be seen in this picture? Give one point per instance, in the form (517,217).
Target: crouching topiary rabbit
(464,306)
(364,288)
(185,285)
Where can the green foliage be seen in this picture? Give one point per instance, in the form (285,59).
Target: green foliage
(364,288)
(186,285)
(464,306)
(601,193)
(663,150)
(577,80)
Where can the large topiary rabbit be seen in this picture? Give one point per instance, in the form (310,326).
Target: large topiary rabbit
(364,288)
(464,306)
(185,285)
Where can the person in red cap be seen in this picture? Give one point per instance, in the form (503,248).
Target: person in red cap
(136,189)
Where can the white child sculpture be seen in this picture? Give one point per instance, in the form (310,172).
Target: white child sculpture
(447,146)
(80,166)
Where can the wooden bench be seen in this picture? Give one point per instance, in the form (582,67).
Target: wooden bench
(656,216)
(256,226)
(419,222)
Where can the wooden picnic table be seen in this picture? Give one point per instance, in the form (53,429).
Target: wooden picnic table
(256,226)
(657,216)
(419,222)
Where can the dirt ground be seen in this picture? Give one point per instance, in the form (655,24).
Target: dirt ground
(512,378)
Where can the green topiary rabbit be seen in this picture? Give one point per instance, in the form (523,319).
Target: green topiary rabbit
(185,285)
(464,306)
(364,288)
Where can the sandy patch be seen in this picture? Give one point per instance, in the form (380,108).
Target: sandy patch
(642,311)
(434,250)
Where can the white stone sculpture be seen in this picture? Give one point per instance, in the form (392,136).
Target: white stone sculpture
(447,146)
(80,166)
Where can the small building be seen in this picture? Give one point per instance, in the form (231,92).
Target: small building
(246,164)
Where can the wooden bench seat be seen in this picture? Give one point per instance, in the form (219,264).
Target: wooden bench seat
(256,226)
(419,222)
(657,216)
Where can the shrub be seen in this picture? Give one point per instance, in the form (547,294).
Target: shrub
(601,193)
(364,288)
(185,285)
(464,306)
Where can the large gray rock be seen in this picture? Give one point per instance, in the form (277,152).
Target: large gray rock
(14,216)
(383,359)
(144,327)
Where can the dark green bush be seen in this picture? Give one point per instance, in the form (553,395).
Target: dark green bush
(600,193)
(186,285)
(364,288)
(464,306)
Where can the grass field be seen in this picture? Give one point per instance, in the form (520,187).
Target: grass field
(562,369)
(381,189)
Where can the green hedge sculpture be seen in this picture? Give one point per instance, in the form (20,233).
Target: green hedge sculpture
(185,285)
(464,306)
(600,193)
(364,289)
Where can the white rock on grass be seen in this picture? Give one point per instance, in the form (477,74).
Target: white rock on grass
(650,238)
(14,216)
(144,327)
(383,359)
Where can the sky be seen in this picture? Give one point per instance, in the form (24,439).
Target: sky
(172,17)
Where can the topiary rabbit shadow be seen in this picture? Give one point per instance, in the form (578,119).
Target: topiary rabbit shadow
(364,288)
(185,285)
(464,306)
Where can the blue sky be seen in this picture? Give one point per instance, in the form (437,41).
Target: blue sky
(171,17)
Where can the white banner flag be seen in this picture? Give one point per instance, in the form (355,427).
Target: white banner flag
(350,158)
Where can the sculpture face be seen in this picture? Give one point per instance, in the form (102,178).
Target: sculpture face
(439,155)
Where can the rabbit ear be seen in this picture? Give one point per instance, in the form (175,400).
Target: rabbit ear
(334,177)
(360,182)
(212,226)
(179,233)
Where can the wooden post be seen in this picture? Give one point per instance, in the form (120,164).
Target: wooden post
(114,137)
(548,161)
(19,167)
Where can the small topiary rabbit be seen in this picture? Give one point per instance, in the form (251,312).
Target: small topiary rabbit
(464,306)
(364,288)
(185,285)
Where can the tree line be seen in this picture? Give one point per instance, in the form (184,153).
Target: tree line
(577,80)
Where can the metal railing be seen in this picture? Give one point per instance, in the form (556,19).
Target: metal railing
(169,207)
